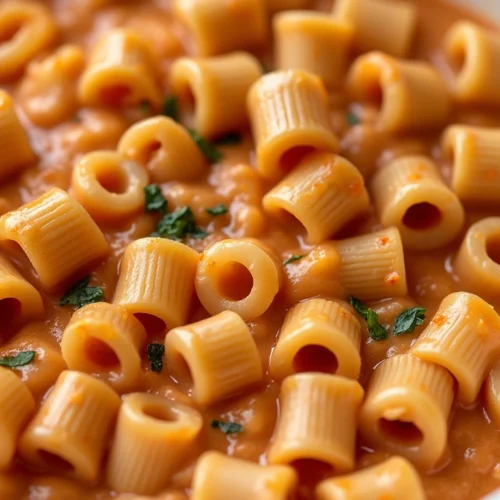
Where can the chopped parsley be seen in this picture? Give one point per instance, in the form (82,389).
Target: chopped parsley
(20,359)
(292,258)
(171,107)
(408,320)
(219,209)
(226,427)
(375,329)
(155,201)
(155,353)
(210,152)
(178,225)
(229,140)
(145,107)
(352,119)
(82,294)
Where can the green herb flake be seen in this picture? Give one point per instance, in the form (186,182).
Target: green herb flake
(171,107)
(375,329)
(408,320)
(293,258)
(145,107)
(352,119)
(217,210)
(210,152)
(82,294)
(229,140)
(155,201)
(226,427)
(21,359)
(155,354)
(178,225)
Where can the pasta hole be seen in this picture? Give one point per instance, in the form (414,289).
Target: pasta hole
(152,324)
(159,412)
(375,94)
(114,95)
(311,471)
(458,58)
(151,151)
(10,309)
(315,358)
(291,158)
(422,216)
(234,281)
(188,106)
(9,32)
(101,355)
(55,461)
(114,181)
(493,248)
(404,433)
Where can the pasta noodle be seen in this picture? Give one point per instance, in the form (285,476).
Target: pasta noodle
(492,394)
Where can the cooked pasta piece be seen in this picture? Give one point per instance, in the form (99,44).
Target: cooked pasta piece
(409,194)
(109,186)
(219,477)
(217,357)
(373,265)
(408,95)
(463,338)
(318,414)
(393,478)
(492,393)
(70,432)
(324,192)
(152,436)
(57,235)
(165,148)
(370,18)
(203,84)
(105,341)
(121,72)
(241,275)
(315,42)
(473,53)
(156,281)
(282,138)
(224,26)
(318,335)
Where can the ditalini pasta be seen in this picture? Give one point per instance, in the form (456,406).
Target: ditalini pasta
(492,393)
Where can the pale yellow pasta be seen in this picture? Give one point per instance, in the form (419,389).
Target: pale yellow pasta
(318,335)
(26,29)
(289,115)
(324,192)
(156,281)
(109,186)
(274,6)
(318,414)
(410,194)
(57,235)
(152,436)
(372,266)
(313,41)
(70,432)
(408,95)
(219,477)
(17,153)
(223,26)
(165,148)
(473,53)
(394,478)
(105,341)
(492,394)
(217,357)
(16,408)
(202,84)
(121,72)
(241,275)
(463,338)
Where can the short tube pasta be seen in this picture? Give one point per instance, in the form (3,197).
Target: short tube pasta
(218,476)
(152,436)
(105,341)
(109,186)
(409,194)
(409,95)
(318,335)
(406,409)
(281,139)
(165,148)
(324,192)
(220,354)
(238,275)
(203,84)
(492,393)
(463,338)
(71,430)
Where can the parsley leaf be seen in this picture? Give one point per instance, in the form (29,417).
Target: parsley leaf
(20,359)
(375,329)
(292,258)
(145,106)
(171,107)
(210,152)
(229,140)
(81,294)
(226,427)
(155,353)
(179,224)
(219,209)
(155,201)
(408,320)
(352,119)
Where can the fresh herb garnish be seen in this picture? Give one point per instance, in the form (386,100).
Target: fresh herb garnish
(219,209)
(145,106)
(229,140)
(352,119)
(179,224)
(155,353)
(20,359)
(171,107)
(155,201)
(226,427)
(210,152)
(292,258)
(408,320)
(375,329)
(82,294)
